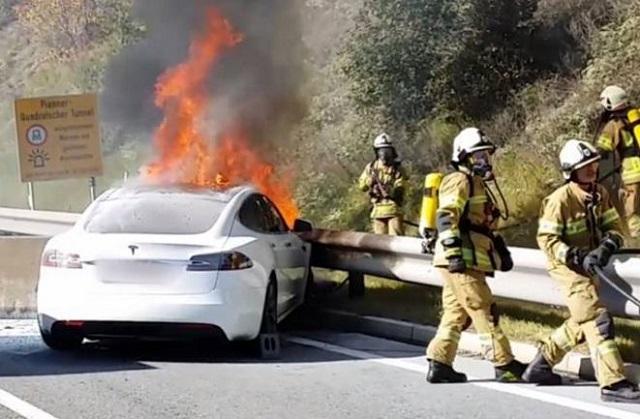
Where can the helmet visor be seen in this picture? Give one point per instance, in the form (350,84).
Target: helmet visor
(481,155)
(483,147)
(586,162)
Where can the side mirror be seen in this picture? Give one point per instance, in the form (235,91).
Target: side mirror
(301,226)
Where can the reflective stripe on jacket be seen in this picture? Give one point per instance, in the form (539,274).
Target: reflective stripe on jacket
(461,210)
(392,179)
(616,137)
(567,219)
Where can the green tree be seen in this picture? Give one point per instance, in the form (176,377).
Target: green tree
(69,27)
(396,52)
(496,58)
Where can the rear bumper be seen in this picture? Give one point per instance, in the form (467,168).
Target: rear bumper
(137,330)
(234,307)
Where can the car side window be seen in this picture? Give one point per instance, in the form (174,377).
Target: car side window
(252,216)
(277,223)
(259,214)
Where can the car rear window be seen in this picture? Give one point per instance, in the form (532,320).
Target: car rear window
(155,212)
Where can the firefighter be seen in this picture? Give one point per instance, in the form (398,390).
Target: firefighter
(384,179)
(467,250)
(616,135)
(580,229)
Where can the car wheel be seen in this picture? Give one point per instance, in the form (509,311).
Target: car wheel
(309,289)
(270,311)
(268,340)
(60,339)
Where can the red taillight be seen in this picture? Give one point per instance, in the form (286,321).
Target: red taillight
(57,259)
(219,262)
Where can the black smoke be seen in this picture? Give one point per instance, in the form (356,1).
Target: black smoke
(257,83)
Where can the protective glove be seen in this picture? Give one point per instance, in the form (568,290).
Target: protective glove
(595,259)
(575,258)
(599,257)
(456,264)
(506,262)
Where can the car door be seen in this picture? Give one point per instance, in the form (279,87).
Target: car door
(294,254)
(253,216)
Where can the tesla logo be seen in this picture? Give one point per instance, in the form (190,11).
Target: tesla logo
(133,249)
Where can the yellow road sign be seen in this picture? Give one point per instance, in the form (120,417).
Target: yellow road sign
(58,137)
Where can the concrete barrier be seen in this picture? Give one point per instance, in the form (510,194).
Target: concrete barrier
(19,270)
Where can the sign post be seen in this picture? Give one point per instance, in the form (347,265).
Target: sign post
(31,200)
(58,138)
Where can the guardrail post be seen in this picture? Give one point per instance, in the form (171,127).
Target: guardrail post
(92,188)
(356,284)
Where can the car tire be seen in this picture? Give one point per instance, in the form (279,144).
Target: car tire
(61,340)
(268,341)
(309,288)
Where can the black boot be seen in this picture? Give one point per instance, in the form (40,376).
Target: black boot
(622,391)
(540,372)
(443,373)
(512,372)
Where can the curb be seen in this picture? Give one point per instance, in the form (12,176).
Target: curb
(574,363)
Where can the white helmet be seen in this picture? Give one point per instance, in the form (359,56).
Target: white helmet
(383,140)
(468,141)
(577,154)
(613,98)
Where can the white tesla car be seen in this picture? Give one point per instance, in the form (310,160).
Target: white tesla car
(171,263)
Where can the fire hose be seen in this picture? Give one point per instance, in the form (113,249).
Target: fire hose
(603,276)
(610,173)
(411,223)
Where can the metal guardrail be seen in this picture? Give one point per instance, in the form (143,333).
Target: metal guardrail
(398,258)
(36,223)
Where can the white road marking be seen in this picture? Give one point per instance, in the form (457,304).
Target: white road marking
(28,328)
(21,407)
(19,329)
(504,388)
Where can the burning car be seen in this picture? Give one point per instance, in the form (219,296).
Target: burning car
(172,262)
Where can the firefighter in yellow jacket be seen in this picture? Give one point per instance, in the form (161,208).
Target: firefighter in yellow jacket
(384,179)
(579,229)
(615,135)
(467,250)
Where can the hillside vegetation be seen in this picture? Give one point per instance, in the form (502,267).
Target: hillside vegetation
(527,71)
(58,47)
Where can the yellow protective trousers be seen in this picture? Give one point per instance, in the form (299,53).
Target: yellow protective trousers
(631,205)
(588,320)
(466,296)
(391,225)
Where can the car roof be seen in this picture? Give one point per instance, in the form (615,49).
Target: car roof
(134,190)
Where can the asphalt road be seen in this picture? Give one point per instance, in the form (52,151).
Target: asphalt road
(320,374)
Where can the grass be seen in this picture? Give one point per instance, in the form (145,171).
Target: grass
(521,321)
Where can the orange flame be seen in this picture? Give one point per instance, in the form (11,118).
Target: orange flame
(187,155)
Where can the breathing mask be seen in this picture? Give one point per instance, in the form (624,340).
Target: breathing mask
(480,164)
(386,154)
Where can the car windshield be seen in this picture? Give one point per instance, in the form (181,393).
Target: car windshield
(155,211)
